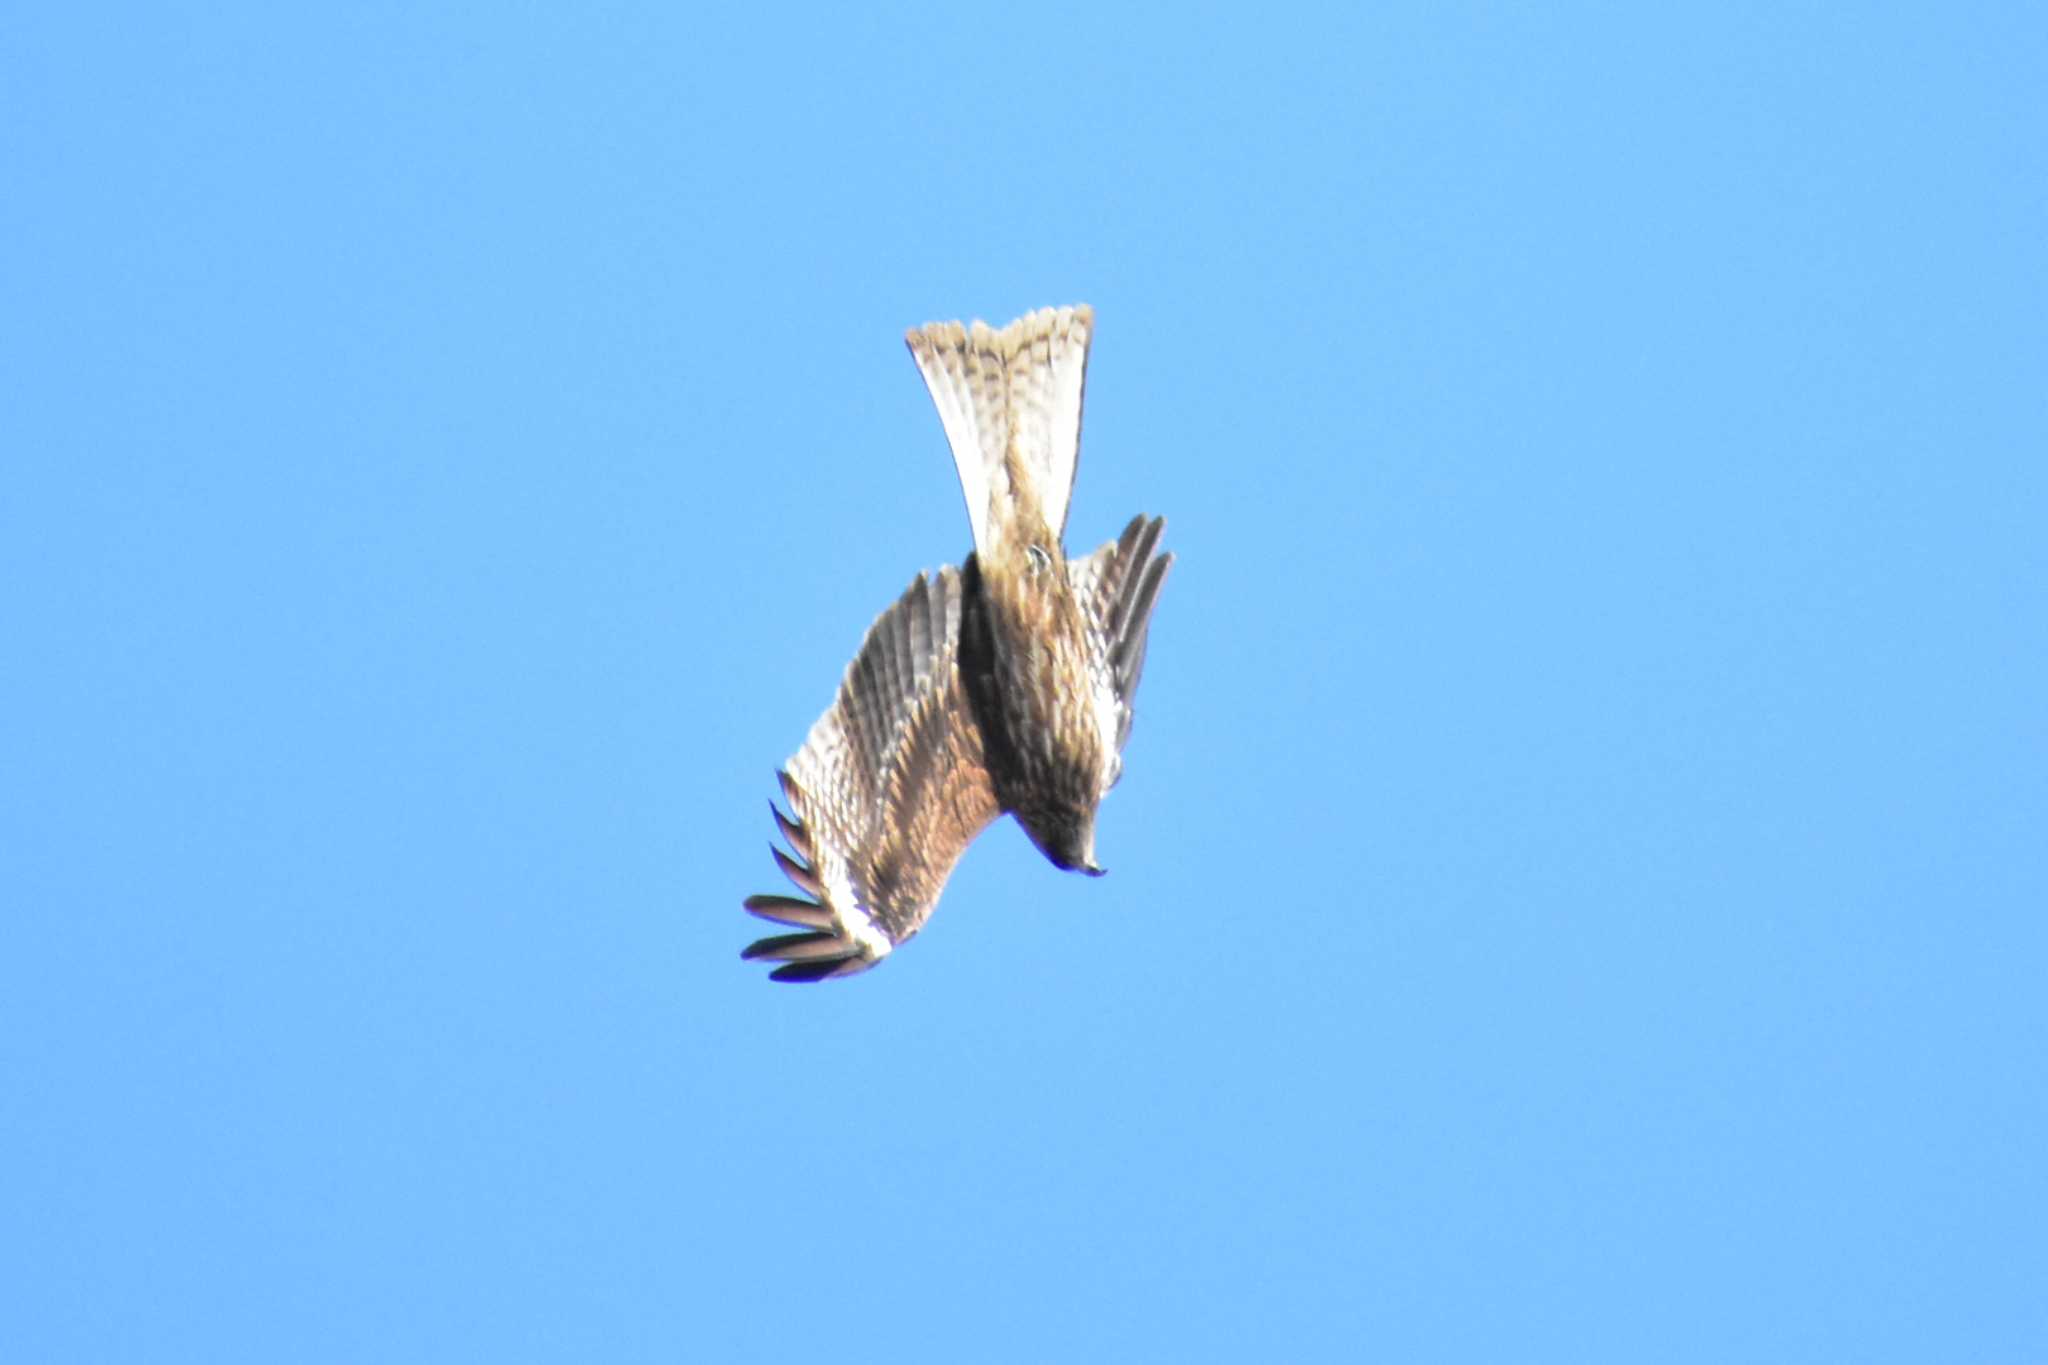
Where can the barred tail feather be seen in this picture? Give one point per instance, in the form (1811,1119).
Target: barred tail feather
(1010,402)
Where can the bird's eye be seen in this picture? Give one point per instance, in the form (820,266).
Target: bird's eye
(1040,560)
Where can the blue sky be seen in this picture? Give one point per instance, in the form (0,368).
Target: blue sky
(1577,889)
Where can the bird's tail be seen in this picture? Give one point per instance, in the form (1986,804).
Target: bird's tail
(1011,405)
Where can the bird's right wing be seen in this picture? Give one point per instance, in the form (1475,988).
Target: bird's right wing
(1118,585)
(887,792)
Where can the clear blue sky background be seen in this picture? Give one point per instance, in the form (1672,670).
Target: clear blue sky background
(1578,888)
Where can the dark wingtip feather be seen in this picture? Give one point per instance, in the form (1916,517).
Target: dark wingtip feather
(801,874)
(792,829)
(1148,529)
(799,948)
(1136,626)
(800,914)
(819,971)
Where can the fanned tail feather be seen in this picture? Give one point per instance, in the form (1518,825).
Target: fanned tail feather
(1015,392)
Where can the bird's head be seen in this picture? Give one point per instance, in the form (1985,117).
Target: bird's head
(1066,837)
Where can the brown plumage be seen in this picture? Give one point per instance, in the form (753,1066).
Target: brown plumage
(1005,685)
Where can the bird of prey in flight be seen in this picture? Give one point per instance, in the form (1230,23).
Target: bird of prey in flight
(1004,685)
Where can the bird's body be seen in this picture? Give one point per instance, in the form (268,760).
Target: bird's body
(1004,686)
(1029,677)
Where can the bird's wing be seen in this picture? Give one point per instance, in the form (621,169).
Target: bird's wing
(887,792)
(1118,586)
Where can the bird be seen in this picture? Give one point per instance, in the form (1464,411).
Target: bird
(1002,686)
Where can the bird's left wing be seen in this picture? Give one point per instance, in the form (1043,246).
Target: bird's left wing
(1118,585)
(887,792)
